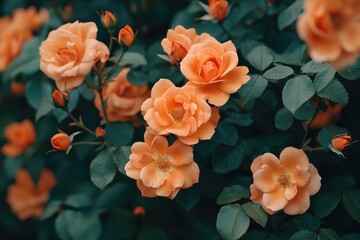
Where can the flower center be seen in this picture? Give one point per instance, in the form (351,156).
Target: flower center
(163,163)
(178,52)
(209,70)
(177,113)
(284,180)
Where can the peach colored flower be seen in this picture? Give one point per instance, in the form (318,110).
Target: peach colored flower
(30,18)
(218,9)
(331,115)
(178,42)
(285,183)
(179,111)
(123,100)
(126,36)
(341,142)
(61,142)
(20,136)
(17,88)
(331,29)
(27,199)
(69,53)
(160,169)
(212,68)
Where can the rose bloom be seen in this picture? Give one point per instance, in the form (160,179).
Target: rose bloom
(160,169)
(20,136)
(69,53)
(27,199)
(212,68)
(179,111)
(30,18)
(61,142)
(324,118)
(178,42)
(123,100)
(285,183)
(218,9)
(331,29)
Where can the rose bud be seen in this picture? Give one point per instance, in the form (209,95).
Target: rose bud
(126,36)
(61,142)
(60,99)
(218,9)
(100,133)
(109,21)
(341,142)
(139,210)
(17,88)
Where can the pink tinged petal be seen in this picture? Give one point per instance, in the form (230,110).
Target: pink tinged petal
(290,191)
(152,120)
(293,159)
(164,190)
(234,79)
(161,87)
(275,200)
(218,97)
(160,144)
(145,191)
(256,194)
(147,105)
(230,61)
(302,177)
(152,177)
(270,161)
(315,183)
(191,173)
(190,69)
(229,46)
(265,180)
(131,171)
(180,154)
(256,164)
(189,140)
(174,193)
(299,204)
(176,179)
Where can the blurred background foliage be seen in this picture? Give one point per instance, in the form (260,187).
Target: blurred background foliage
(254,122)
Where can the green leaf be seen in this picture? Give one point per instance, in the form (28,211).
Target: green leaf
(83,226)
(343,183)
(323,204)
(232,194)
(305,112)
(326,134)
(352,72)
(151,233)
(314,67)
(119,133)
(283,119)
(137,78)
(303,235)
(123,223)
(62,222)
(296,92)
(351,202)
(256,213)
(134,59)
(278,72)
(327,234)
(44,108)
(102,169)
(120,157)
(79,200)
(335,92)
(232,222)
(240,119)
(323,78)
(37,92)
(226,134)
(51,209)
(114,196)
(188,198)
(290,14)
(226,158)
(253,89)
(260,57)
(307,221)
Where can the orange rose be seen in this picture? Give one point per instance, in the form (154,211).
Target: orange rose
(179,111)
(123,100)
(212,68)
(161,170)
(61,142)
(69,53)
(20,137)
(30,18)
(27,199)
(218,9)
(331,29)
(100,132)
(60,99)
(17,88)
(284,184)
(331,115)
(139,210)
(178,42)
(126,36)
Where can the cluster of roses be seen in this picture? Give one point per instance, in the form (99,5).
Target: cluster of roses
(16,30)
(212,74)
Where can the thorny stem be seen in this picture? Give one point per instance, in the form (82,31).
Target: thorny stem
(80,124)
(115,64)
(307,129)
(103,107)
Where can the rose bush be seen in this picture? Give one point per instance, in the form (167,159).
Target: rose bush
(218,119)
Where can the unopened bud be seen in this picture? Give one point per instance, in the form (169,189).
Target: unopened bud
(61,142)
(341,142)
(60,99)
(139,210)
(109,21)
(126,36)
(100,133)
